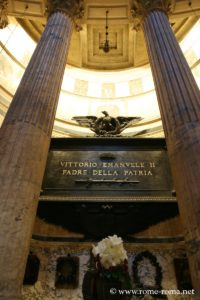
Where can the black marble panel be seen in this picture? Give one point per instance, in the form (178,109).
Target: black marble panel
(100,168)
(100,219)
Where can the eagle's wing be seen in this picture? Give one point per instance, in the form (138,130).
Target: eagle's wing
(127,121)
(86,121)
(138,133)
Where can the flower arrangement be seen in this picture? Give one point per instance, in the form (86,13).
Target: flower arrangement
(110,252)
(111,261)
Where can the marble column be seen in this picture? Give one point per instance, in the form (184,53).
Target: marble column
(24,142)
(179,101)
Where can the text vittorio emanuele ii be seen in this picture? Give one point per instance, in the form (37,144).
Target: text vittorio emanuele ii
(87,168)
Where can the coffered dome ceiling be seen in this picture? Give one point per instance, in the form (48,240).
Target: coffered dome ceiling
(119,81)
(127,46)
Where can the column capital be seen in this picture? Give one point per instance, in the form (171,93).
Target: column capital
(3,13)
(72,8)
(141,8)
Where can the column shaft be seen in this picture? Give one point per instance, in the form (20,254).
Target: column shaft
(179,101)
(24,139)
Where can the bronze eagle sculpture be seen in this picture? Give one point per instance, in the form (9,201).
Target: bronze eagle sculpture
(106,125)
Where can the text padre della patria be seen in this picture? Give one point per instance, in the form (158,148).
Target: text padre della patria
(85,168)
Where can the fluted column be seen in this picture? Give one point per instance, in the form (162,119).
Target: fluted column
(179,100)
(24,144)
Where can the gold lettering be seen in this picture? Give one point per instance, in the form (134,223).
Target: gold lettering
(62,163)
(152,164)
(65,172)
(104,173)
(130,173)
(78,168)
(84,164)
(123,165)
(74,172)
(137,173)
(115,173)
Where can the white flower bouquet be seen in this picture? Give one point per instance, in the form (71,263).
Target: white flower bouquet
(108,270)
(111,261)
(109,253)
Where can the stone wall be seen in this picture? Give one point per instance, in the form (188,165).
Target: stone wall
(48,253)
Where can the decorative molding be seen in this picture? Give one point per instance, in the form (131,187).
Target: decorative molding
(72,248)
(3,13)
(72,8)
(130,243)
(141,8)
(107,198)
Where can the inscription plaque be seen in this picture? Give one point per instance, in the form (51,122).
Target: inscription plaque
(105,172)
